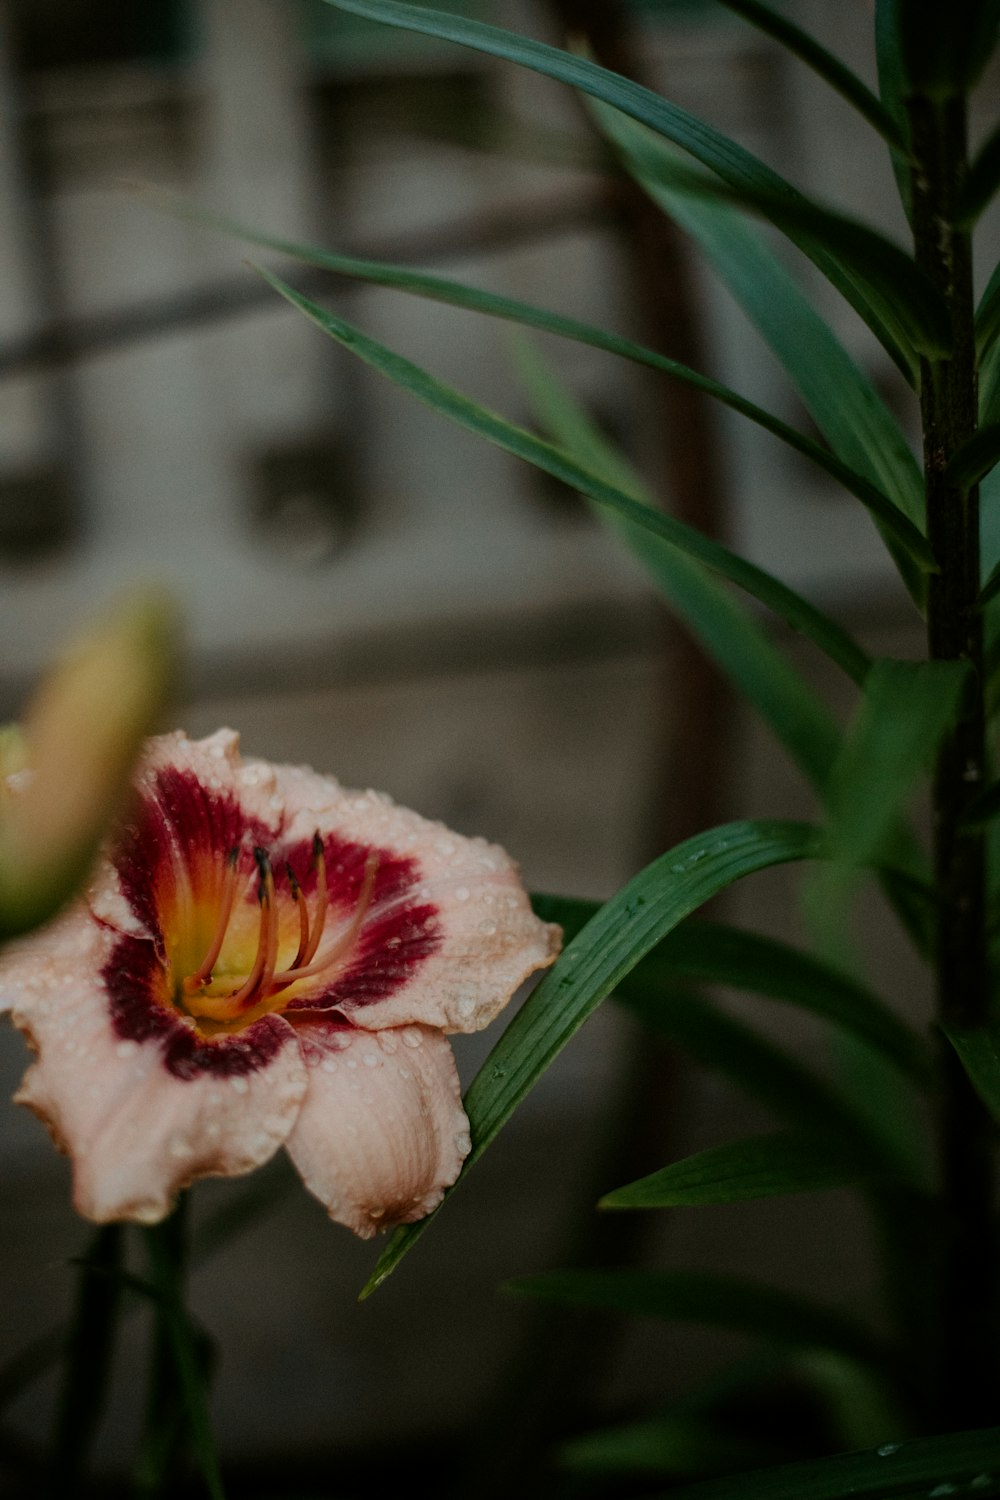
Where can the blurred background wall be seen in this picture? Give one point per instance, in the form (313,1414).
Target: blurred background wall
(371,591)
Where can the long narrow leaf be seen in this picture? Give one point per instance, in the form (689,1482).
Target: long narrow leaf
(717,954)
(907,707)
(678,1445)
(593,964)
(714,953)
(982,181)
(979,1050)
(824,64)
(760,1068)
(974,460)
(712,1300)
(905,315)
(840,399)
(892,89)
(495,305)
(806,223)
(764,1166)
(762,674)
(468,414)
(799,720)
(988,316)
(959,1464)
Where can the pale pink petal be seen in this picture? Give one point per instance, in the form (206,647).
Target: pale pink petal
(484,940)
(382,1131)
(221,791)
(136,1132)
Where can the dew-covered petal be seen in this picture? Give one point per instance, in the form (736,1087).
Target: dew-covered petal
(190,807)
(382,1131)
(449,934)
(141,1115)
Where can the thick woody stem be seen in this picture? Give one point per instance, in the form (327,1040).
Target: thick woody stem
(965,1359)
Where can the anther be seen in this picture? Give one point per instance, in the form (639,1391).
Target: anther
(300,902)
(322,901)
(347,937)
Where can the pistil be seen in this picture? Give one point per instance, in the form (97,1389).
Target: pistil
(264,988)
(203,973)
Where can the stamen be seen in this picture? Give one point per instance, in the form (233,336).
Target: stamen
(203,973)
(347,937)
(322,900)
(300,902)
(260,975)
(228,1007)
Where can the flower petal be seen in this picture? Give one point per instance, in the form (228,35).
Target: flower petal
(140,1116)
(382,1131)
(192,805)
(448,945)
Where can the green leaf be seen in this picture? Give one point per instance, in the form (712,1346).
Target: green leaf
(493,304)
(750,1061)
(892,90)
(984,808)
(677,1444)
(906,709)
(906,309)
(712,1300)
(506,435)
(840,399)
(593,964)
(909,311)
(979,1051)
(763,1166)
(975,458)
(716,954)
(800,721)
(959,1465)
(988,326)
(982,181)
(824,64)
(944,48)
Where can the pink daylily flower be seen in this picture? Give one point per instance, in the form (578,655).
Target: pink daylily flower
(265,959)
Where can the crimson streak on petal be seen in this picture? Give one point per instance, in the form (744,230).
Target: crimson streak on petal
(133,976)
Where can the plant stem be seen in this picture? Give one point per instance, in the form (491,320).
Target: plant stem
(965,1359)
(89,1350)
(179,1415)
